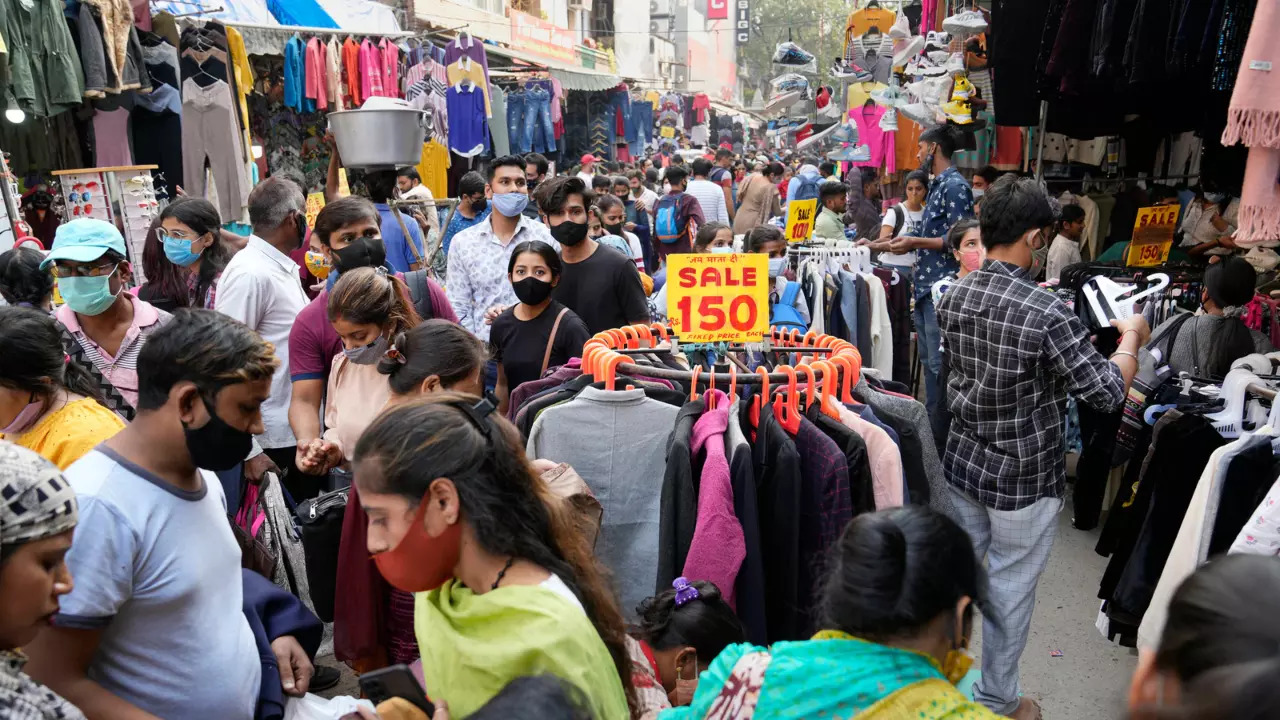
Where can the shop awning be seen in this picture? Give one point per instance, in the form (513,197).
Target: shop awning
(245,11)
(571,77)
(266,33)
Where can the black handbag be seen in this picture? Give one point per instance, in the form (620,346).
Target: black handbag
(320,520)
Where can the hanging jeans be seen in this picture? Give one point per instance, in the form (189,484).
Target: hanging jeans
(640,133)
(209,132)
(515,122)
(620,102)
(538,132)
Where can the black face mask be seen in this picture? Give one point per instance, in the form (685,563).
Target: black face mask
(362,252)
(614,229)
(569,233)
(531,290)
(478,206)
(301,224)
(531,184)
(216,445)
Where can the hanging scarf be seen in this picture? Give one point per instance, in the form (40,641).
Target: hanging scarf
(22,698)
(1254,119)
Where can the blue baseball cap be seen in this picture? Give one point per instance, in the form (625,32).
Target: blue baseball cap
(84,240)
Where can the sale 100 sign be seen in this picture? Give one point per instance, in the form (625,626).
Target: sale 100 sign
(718,297)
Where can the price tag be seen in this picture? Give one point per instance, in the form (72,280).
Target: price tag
(718,297)
(800,217)
(1152,235)
(315,203)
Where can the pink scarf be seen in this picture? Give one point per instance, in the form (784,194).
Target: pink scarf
(1254,119)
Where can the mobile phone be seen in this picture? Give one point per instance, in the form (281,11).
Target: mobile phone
(395,681)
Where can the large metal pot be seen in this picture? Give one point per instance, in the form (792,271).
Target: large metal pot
(386,136)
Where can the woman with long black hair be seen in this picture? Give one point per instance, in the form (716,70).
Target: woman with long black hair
(183,257)
(506,585)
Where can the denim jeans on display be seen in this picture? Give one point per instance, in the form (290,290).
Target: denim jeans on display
(620,102)
(515,122)
(641,121)
(539,133)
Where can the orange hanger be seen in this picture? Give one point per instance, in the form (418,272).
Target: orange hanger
(610,370)
(644,333)
(693,383)
(589,350)
(811,384)
(661,330)
(733,381)
(632,337)
(760,399)
(827,401)
(788,411)
(847,377)
(794,336)
(711,385)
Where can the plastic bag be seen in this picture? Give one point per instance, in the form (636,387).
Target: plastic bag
(314,707)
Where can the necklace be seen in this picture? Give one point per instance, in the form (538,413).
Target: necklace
(502,573)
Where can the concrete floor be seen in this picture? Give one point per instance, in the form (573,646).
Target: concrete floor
(1090,680)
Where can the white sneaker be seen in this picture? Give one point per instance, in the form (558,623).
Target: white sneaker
(908,49)
(925,116)
(889,121)
(937,40)
(965,23)
(955,64)
(889,97)
(901,29)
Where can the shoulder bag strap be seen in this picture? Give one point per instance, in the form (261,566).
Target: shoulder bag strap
(110,395)
(409,238)
(546,356)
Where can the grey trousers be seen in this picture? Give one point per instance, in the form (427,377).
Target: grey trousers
(210,132)
(1016,545)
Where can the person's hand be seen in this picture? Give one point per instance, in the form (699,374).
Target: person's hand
(317,457)
(259,465)
(541,465)
(902,244)
(177,190)
(492,313)
(629,227)
(294,665)
(640,207)
(1136,323)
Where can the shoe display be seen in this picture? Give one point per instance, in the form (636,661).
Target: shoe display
(930,91)
(789,53)
(852,153)
(781,101)
(959,112)
(965,23)
(790,82)
(962,89)
(937,40)
(921,114)
(845,133)
(889,121)
(901,29)
(955,64)
(844,69)
(888,97)
(908,49)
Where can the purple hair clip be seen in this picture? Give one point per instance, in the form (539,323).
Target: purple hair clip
(684,591)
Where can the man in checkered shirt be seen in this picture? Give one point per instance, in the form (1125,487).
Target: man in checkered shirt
(1014,351)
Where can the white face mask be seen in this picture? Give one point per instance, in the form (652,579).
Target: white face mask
(666,188)
(777,266)
(722,249)
(979,192)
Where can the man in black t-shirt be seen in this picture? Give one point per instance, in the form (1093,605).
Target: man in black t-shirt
(600,285)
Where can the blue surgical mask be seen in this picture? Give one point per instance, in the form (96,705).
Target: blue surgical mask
(1215,197)
(777,266)
(722,250)
(87,295)
(369,354)
(178,251)
(510,204)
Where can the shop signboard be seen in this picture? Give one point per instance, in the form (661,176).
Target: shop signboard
(801,215)
(1152,235)
(539,37)
(718,297)
(742,21)
(315,203)
(718,9)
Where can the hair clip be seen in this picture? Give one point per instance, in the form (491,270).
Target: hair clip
(479,413)
(684,591)
(381,270)
(394,353)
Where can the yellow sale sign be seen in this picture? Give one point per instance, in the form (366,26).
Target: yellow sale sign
(714,297)
(801,215)
(315,203)
(1152,235)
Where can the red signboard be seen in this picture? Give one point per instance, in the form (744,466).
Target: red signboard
(539,37)
(717,9)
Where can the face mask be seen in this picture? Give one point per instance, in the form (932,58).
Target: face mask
(179,251)
(25,418)
(478,206)
(531,185)
(614,229)
(531,290)
(216,445)
(666,188)
(362,252)
(1215,197)
(979,192)
(369,354)
(722,250)
(317,264)
(510,204)
(569,233)
(777,266)
(971,260)
(956,665)
(420,562)
(87,295)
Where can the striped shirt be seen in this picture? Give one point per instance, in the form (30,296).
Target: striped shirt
(122,369)
(711,197)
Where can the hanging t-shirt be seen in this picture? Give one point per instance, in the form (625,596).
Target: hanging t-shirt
(468,129)
(519,345)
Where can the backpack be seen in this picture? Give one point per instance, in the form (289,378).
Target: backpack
(669,224)
(900,213)
(808,189)
(784,314)
(420,293)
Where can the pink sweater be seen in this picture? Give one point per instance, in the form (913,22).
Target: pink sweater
(718,546)
(867,118)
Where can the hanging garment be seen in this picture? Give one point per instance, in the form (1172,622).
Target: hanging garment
(718,546)
(469,131)
(371,72)
(616,442)
(157,134)
(42,65)
(316,89)
(209,133)
(335,83)
(880,142)
(778,482)
(679,497)
(111,138)
(746,507)
(390,68)
(351,73)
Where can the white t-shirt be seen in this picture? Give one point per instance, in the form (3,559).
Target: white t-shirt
(158,571)
(586,177)
(912,223)
(711,197)
(1063,252)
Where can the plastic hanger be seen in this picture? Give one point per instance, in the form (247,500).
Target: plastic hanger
(1107,299)
(826,401)
(756,404)
(711,385)
(788,410)
(811,384)
(1229,422)
(693,383)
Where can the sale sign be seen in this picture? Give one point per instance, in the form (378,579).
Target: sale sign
(1152,235)
(718,297)
(801,215)
(315,203)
